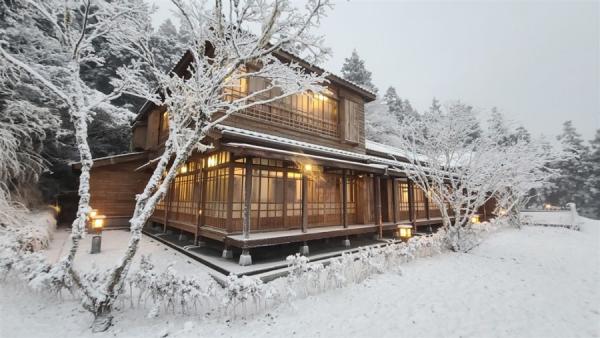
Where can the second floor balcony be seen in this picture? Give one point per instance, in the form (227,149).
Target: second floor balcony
(315,113)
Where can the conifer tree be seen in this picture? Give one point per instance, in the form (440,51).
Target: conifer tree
(592,183)
(570,186)
(354,70)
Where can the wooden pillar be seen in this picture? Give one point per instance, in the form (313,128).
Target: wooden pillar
(197,202)
(396,200)
(285,192)
(247,198)
(168,198)
(304,203)
(344,199)
(411,203)
(378,205)
(229,215)
(426,195)
(202,211)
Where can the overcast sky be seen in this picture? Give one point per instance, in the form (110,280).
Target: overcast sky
(538,62)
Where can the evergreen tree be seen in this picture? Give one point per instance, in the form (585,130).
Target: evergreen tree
(354,70)
(521,134)
(570,186)
(435,107)
(592,183)
(393,102)
(397,107)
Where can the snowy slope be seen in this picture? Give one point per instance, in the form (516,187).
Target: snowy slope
(534,282)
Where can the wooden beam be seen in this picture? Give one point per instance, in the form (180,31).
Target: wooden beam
(229,214)
(378,219)
(168,205)
(196,204)
(395,200)
(202,211)
(344,199)
(411,202)
(285,192)
(426,198)
(247,198)
(304,203)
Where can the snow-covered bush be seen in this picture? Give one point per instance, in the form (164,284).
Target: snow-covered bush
(20,243)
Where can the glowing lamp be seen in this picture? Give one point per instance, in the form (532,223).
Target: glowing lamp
(405,231)
(308,167)
(183,169)
(93,214)
(212,161)
(475,219)
(547,206)
(98,223)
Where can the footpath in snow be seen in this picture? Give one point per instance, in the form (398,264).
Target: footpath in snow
(533,282)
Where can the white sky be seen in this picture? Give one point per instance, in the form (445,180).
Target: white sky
(537,61)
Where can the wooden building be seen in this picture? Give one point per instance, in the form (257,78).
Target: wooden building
(301,166)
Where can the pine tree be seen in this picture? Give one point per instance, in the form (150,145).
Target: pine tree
(570,186)
(397,107)
(592,183)
(435,107)
(521,134)
(354,70)
(498,124)
(393,102)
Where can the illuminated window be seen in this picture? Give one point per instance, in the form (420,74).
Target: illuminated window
(419,203)
(403,202)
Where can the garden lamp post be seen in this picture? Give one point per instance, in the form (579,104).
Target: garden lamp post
(97,226)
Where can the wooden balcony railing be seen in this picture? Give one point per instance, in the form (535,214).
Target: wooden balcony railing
(279,113)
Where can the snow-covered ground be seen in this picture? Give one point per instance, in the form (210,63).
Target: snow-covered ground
(533,282)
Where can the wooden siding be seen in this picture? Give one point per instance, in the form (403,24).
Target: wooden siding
(138,138)
(152,130)
(113,189)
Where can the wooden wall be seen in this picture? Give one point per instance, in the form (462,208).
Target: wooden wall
(113,188)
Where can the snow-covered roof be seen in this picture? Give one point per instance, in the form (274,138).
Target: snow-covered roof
(384,149)
(397,161)
(301,155)
(284,141)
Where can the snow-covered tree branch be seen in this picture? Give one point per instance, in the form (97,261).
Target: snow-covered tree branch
(460,171)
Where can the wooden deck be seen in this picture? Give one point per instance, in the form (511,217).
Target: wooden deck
(269,238)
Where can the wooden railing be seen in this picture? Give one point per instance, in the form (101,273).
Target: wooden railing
(279,113)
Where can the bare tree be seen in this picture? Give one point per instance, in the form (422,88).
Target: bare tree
(47,42)
(227,48)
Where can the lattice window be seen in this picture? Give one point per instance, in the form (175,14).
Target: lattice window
(403,201)
(351,198)
(294,200)
(215,206)
(419,203)
(324,200)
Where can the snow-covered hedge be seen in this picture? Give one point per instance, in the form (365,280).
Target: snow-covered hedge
(20,243)
(166,291)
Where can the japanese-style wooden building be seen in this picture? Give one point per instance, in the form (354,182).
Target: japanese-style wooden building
(313,174)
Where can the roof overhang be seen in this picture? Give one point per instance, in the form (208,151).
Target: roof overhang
(115,159)
(286,155)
